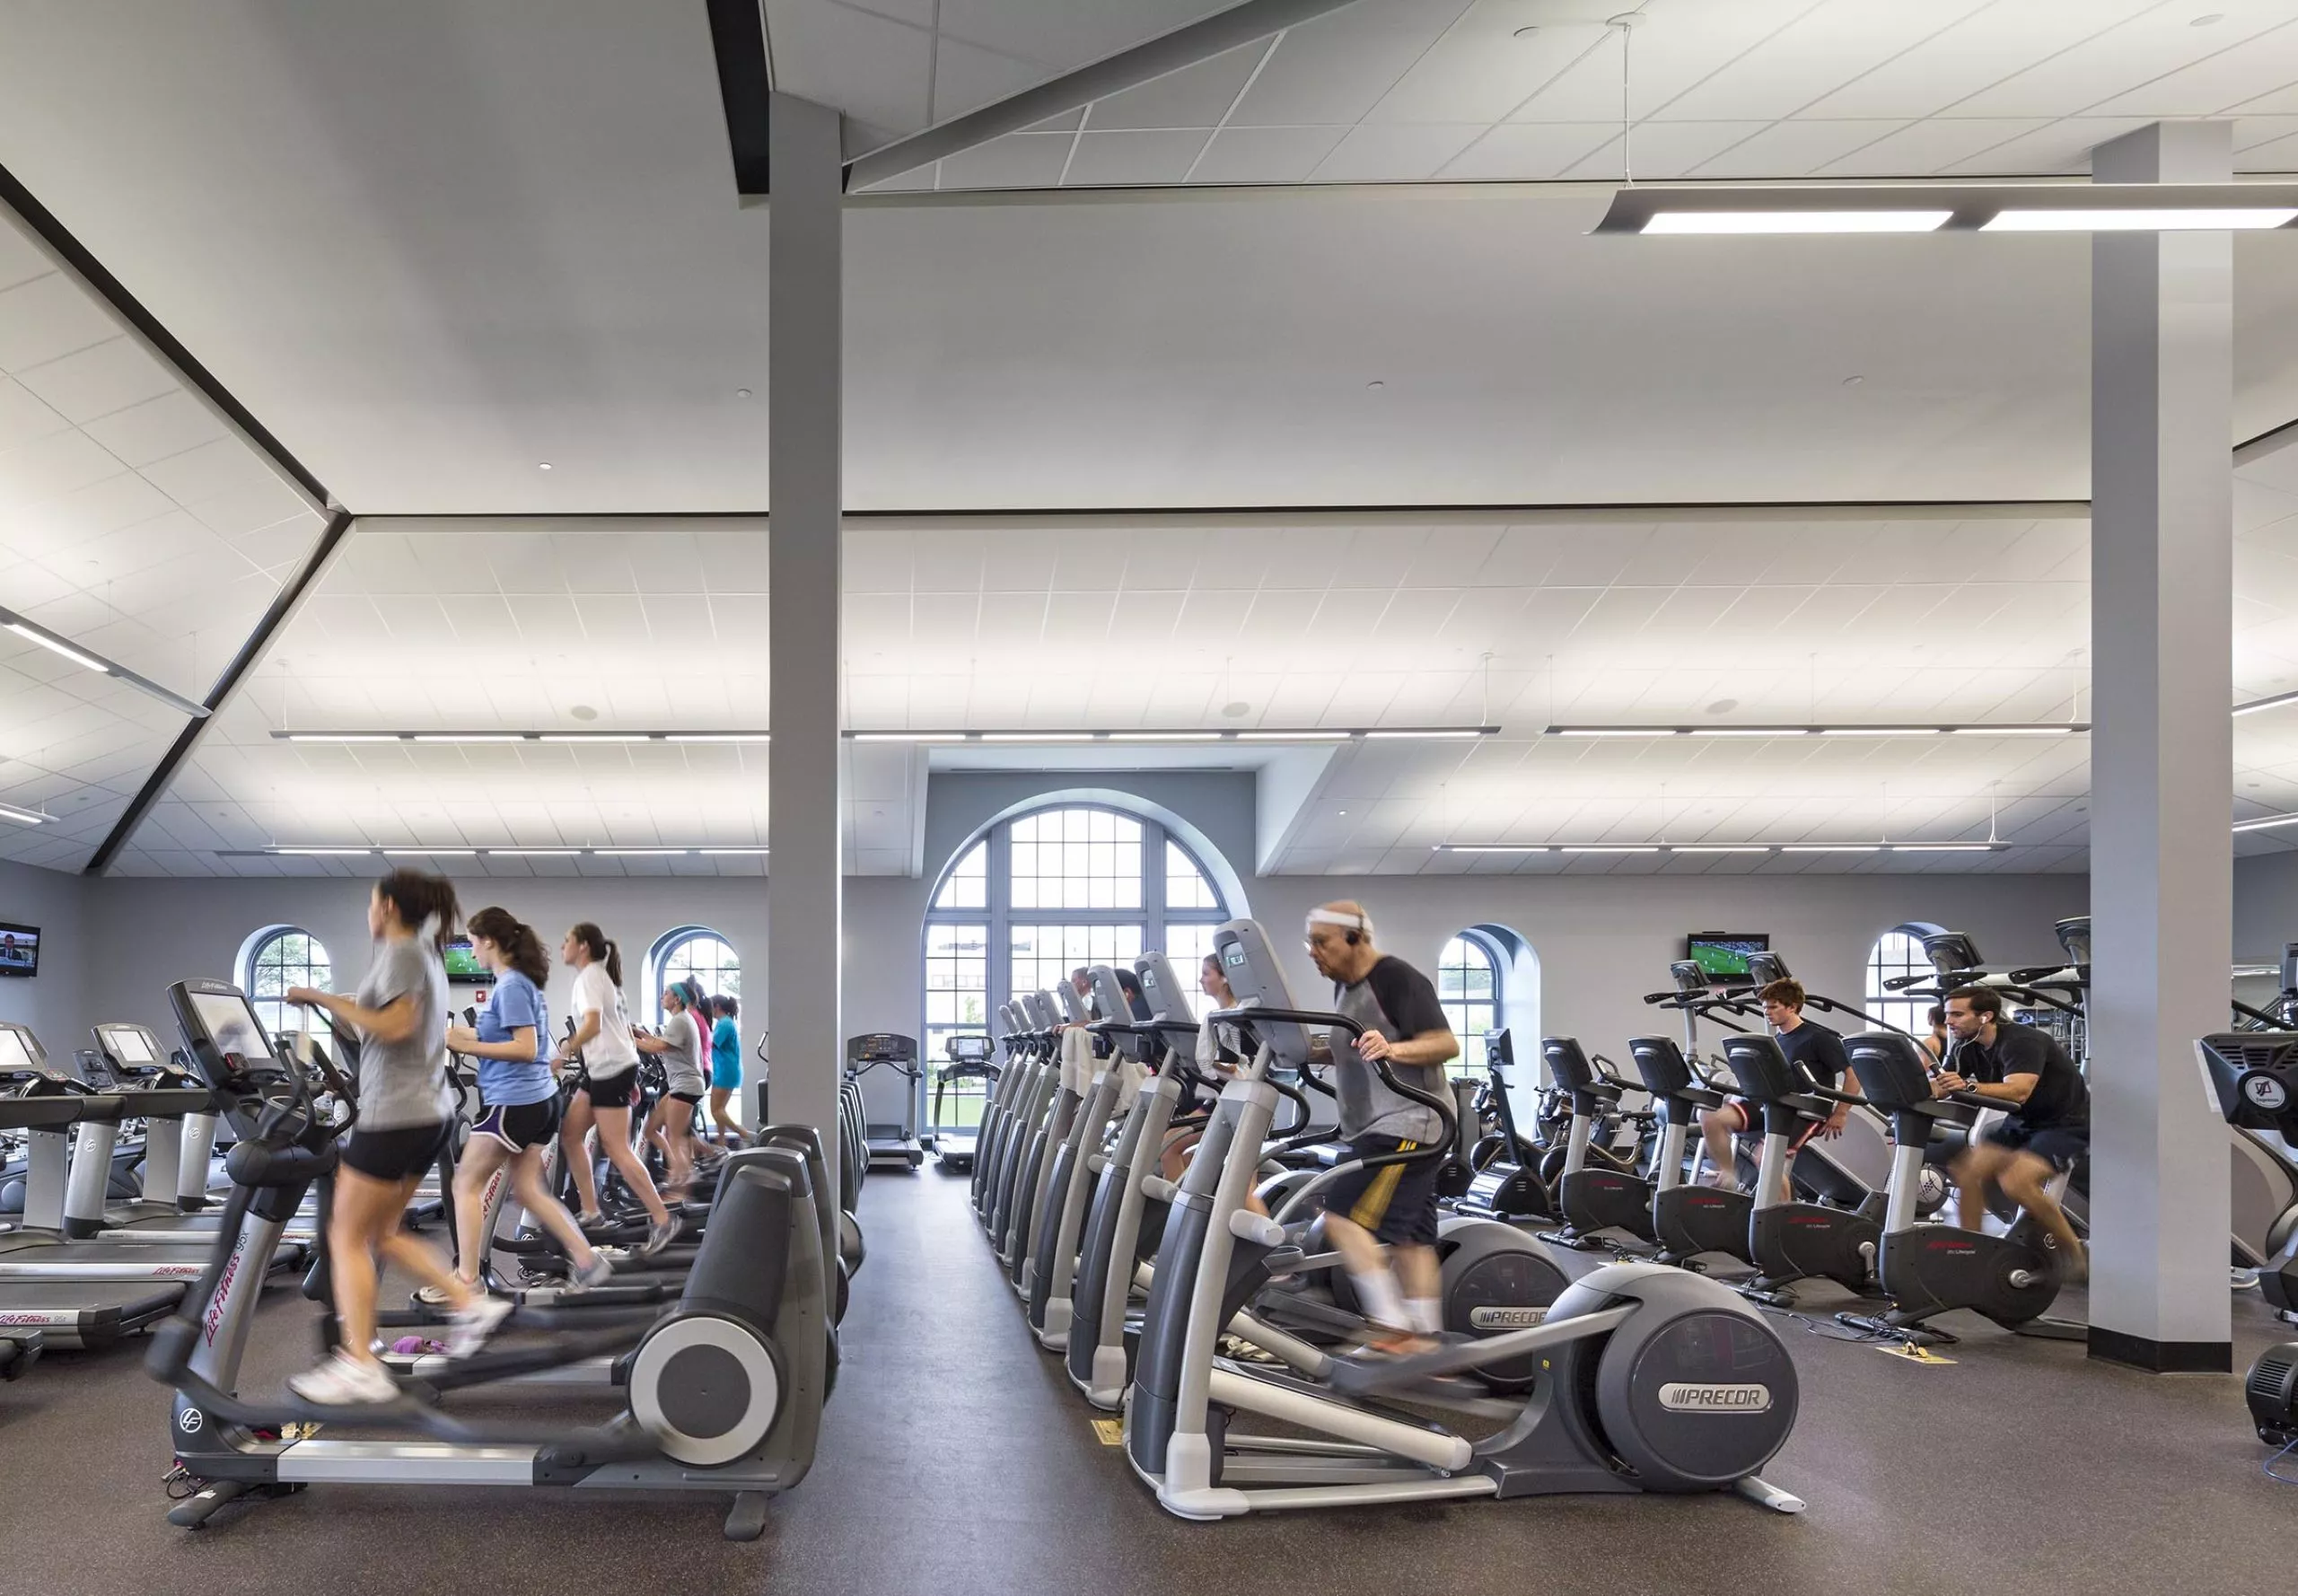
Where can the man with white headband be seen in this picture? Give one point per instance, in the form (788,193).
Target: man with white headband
(1391,1203)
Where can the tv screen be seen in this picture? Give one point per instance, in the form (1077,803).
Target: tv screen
(19,950)
(1724,954)
(462,964)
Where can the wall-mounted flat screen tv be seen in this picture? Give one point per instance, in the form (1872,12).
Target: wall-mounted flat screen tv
(19,950)
(1724,954)
(462,963)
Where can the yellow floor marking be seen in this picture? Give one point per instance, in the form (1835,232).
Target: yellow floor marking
(1111,1431)
(1913,1354)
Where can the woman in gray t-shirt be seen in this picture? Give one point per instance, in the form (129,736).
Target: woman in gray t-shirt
(681,1046)
(406,1112)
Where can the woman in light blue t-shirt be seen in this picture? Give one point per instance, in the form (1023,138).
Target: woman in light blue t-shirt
(519,1091)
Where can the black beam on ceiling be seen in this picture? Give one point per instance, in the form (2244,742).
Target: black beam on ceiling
(745,80)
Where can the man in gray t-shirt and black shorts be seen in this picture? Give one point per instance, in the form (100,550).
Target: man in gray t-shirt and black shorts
(1390,1204)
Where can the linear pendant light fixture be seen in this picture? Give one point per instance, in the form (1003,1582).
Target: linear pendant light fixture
(458,851)
(1520,850)
(1954,207)
(31,631)
(2000,729)
(1190,734)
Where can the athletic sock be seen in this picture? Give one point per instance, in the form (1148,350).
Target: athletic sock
(1383,1302)
(1426,1314)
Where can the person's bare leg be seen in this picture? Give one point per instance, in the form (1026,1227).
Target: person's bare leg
(365,1209)
(614,1136)
(482,1157)
(1418,1271)
(572,1139)
(2022,1180)
(1978,1164)
(1716,1128)
(527,1183)
(676,1131)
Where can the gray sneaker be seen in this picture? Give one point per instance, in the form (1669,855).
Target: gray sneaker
(601,1271)
(661,1236)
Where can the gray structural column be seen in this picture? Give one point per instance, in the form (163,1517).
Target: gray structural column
(804,766)
(2161,759)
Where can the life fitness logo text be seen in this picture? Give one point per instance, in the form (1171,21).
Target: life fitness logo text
(189,1420)
(223,1297)
(25,1319)
(1715,1398)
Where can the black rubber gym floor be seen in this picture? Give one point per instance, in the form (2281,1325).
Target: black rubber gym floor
(955,1459)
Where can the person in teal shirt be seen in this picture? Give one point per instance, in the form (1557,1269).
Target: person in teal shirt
(726,1070)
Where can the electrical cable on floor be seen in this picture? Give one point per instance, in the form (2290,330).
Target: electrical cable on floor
(1828,1332)
(2283,1479)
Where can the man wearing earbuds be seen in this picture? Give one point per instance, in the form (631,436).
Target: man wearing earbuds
(1391,1205)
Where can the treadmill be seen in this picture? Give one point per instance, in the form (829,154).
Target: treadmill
(41,1248)
(41,1101)
(129,1063)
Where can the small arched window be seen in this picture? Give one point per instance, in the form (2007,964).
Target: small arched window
(1469,985)
(698,951)
(1897,955)
(278,958)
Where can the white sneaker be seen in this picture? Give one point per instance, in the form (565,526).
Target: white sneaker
(345,1382)
(472,1326)
(601,1271)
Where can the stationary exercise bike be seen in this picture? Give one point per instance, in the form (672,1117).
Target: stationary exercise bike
(1507,1183)
(1599,1195)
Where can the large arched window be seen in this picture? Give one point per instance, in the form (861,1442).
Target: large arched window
(1042,893)
(1897,954)
(694,951)
(275,959)
(1469,985)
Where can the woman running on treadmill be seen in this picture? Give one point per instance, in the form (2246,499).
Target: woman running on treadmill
(726,1069)
(610,1057)
(519,1091)
(407,1111)
(681,1047)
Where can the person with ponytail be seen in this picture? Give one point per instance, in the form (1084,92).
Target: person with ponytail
(609,1055)
(681,1047)
(517,1092)
(407,1111)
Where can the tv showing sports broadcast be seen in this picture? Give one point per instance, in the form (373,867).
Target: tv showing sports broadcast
(462,963)
(1724,954)
(19,950)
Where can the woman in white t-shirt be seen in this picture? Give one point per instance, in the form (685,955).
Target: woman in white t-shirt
(603,1042)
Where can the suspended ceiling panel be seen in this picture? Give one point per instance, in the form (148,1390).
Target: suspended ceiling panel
(132,523)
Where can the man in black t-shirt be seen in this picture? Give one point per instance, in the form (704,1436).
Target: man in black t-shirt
(1392,1203)
(1816,1052)
(2048,1131)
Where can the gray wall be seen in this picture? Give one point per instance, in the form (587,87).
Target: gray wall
(2265,906)
(53,1002)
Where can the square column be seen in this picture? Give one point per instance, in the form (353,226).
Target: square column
(2162,762)
(804,770)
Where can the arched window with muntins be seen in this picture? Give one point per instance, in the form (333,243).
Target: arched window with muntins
(698,951)
(1042,893)
(1897,954)
(1469,985)
(282,957)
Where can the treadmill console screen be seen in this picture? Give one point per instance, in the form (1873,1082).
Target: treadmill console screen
(126,1043)
(232,1024)
(970,1049)
(13,1054)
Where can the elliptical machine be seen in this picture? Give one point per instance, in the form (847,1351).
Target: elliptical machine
(1507,1184)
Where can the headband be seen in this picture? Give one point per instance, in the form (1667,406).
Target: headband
(1326,916)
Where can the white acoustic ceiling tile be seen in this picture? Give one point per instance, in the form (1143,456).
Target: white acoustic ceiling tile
(1017,161)
(157,428)
(875,70)
(254,505)
(1265,154)
(736,562)
(1664,150)
(1994,44)
(1530,152)
(225,465)
(741,621)
(23,418)
(1066,121)
(50,468)
(21,257)
(1126,160)
(2154,64)
(1399,152)
(102,378)
(967,77)
(1827,46)
(2272,144)
(1063,34)
(1930,147)
(1332,71)
(47,318)
(1794,149)
(1196,96)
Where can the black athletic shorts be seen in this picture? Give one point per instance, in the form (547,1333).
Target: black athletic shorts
(615,1092)
(394,1155)
(2062,1146)
(520,1126)
(1397,1202)
(690,1099)
(1751,1123)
